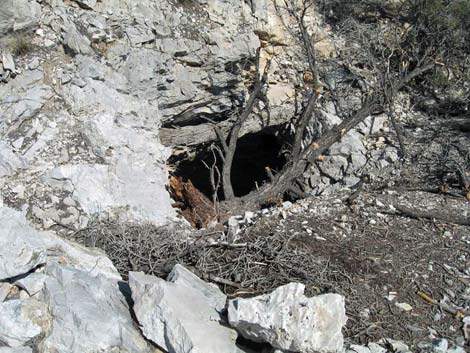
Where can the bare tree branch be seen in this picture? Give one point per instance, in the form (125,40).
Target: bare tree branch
(260,82)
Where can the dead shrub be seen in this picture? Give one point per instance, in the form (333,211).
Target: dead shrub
(21,44)
(258,262)
(153,250)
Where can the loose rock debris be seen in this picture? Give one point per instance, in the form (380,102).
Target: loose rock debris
(376,258)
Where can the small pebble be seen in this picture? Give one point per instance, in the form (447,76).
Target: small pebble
(404,306)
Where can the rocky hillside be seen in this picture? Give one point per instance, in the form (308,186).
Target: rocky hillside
(95,94)
(111,112)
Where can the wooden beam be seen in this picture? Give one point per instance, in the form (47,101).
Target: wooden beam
(203,133)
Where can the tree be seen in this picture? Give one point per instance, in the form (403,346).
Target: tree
(394,45)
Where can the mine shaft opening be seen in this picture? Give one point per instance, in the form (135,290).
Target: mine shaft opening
(254,153)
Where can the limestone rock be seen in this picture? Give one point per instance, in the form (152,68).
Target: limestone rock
(21,321)
(18,15)
(16,350)
(8,62)
(10,162)
(32,283)
(182,277)
(89,313)
(21,249)
(132,184)
(290,321)
(75,41)
(371,348)
(179,315)
(5,289)
(379,347)
(325,48)
(23,97)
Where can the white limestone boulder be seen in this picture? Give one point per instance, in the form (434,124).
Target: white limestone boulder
(181,316)
(21,321)
(288,320)
(21,247)
(90,314)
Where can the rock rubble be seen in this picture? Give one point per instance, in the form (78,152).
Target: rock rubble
(61,297)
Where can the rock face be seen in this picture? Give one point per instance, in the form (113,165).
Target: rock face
(18,14)
(180,314)
(85,119)
(21,321)
(290,321)
(84,124)
(72,303)
(20,248)
(90,314)
(126,181)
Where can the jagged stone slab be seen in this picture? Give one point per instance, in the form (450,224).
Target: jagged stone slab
(21,248)
(75,41)
(181,317)
(290,321)
(8,61)
(21,321)
(182,277)
(18,14)
(32,283)
(90,314)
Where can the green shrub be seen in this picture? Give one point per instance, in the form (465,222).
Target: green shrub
(447,21)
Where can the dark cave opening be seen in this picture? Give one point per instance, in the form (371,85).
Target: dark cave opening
(254,153)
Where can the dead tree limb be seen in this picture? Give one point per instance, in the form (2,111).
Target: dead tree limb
(294,169)
(194,135)
(432,215)
(229,144)
(214,177)
(308,111)
(398,131)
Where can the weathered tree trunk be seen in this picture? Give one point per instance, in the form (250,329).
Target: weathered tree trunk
(294,169)
(204,133)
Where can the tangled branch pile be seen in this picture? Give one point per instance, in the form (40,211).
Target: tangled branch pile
(253,265)
(132,247)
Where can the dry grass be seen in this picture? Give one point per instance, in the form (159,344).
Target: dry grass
(21,44)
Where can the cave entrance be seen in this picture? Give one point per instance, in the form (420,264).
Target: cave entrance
(254,152)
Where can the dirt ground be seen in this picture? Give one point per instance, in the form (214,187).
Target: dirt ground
(378,259)
(366,250)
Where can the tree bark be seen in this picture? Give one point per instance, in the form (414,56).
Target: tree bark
(299,163)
